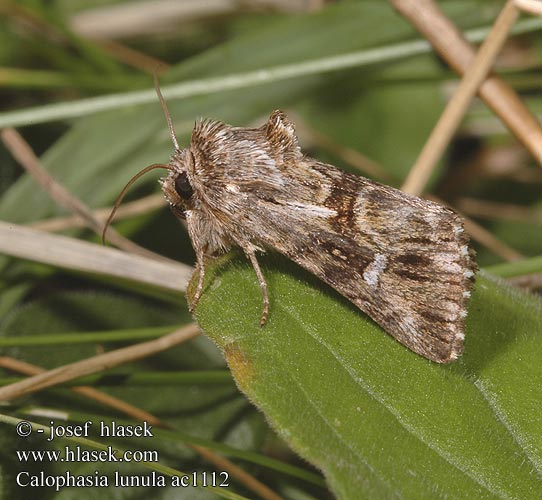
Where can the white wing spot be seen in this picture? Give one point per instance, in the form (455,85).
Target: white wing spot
(409,325)
(312,210)
(451,267)
(373,271)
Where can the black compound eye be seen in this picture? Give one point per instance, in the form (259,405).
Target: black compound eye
(183,187)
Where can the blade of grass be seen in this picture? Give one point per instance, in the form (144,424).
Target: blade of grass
(102,336)
(518,268)
(98,363)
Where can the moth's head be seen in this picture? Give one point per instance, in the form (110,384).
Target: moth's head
(177,187)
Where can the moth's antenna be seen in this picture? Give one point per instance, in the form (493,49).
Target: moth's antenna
(125,190)
(166,113)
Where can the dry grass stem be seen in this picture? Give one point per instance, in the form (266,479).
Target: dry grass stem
(492,210)
(22,152)
(531,282)
(527,176)
(449,43)
(456,108)
(132,57)
(61,251)
(484,237)
(145,17)
(250,482)
(530,6)
(487,239)
(19,366)
(126,210)
(97,363)
(141,415)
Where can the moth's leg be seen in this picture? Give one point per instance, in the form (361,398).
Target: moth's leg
(249,252)
(200,269)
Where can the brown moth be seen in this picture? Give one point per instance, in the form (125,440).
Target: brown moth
(402,260)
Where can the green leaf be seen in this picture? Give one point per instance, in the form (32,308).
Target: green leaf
(377,419)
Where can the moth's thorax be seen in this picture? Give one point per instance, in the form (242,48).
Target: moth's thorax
(226,156)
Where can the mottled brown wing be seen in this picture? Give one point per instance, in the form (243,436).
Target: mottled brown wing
(402,260)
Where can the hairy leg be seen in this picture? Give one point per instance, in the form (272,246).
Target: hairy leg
(250,253)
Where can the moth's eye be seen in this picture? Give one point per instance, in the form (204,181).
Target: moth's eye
(183,187)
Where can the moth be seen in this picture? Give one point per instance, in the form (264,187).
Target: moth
(402,260)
